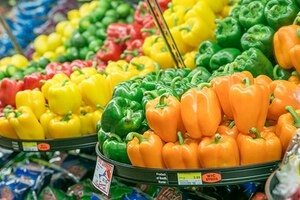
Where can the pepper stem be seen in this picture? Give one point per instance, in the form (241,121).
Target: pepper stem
(131,135)
(115,136)
(139,66)
(137,78)
(174,81)
(98,106)
(90,56)
(157,71)
(186,28)
(246,80)
(134,85)
(257,133)
(202,85)
(231,125)
(76,69)
(152,31)
(180,138)
(134,53)
(217,138)
(64,82)
(162,102)
(66,118)
(195,76)
(275,71)
(294,115)
(152,93)
(102,71)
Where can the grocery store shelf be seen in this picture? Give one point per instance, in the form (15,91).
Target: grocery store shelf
(270,185)
(49,144)
(199,177)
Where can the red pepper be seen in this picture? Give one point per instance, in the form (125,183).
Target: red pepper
(118,33)
(81,64)
(133,50)
(163,4)
(141,13)
(134,30)
(33,81)
(8,91)
(56,68)
(109,52)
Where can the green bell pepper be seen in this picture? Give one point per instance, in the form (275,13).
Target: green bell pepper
(235,11)
(251,14)
(148,95)
(205,51)
(229,32)
(223,57)
(150,80)
(255,61)
(281,74)
(245,2)
(201,74)
(280,13)
(129,91)
(144,127)
(260,37)
(102,136)
(116,149)
(122,116)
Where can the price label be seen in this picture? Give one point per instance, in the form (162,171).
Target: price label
(30,146)
(103,176)
(189,178)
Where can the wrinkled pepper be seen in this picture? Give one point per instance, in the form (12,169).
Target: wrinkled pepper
(8,90)
(253,147)
(200,111)
(145,150)
(252,14)
(182,154)
(218,151)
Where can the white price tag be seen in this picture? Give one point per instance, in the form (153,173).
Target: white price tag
(103,176)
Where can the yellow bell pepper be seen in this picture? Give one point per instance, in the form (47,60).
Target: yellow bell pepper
(217,5)
(58,78)
(45,119)
(6,130)
(97,115)
(142,64)
(67,126)
(64,97)
(86,120)
(202,11)
(80,74)
(174,15)
(194,31)
(160,54)
(181,45)
(185,3)
(116,77)
(189,59)
(120,65)
(25,124)
(33,99)
(149,42)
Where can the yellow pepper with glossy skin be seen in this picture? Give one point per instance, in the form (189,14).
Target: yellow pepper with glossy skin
(33,99)
(116,77)
(160,54)
(80,74)
(6,130)
(67,126)
(189,59)
(174,15)
(194,31)
(45,119)
(58,78)
(181,45)
(142,64)
(217,5)
(149,42)
(185,3)
(97,115)
(25,124)
(86,119)
(120,65)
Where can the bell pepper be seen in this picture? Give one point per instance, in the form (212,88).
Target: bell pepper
(228,32)
(25,124)
(200,111)
(187,4)
(235,11)
(201,10)
(263,79)
(252,14)
(218,151)
(253,148)
(223,57)
(160,54)
(281,74)
(149,82)
(32,81)
(205,51)
(149,30)
(122,116)
(45,118)
(33,99)
(67,126)
(109,52)
(129,91)
(194,31)
(294,78)
(254,61)
(149,42)
(142,64)
(280,13)
(228,129)
(134,49)
(57,79)
(56,68)
(115,78)
(120,65)
(8,90)
(64,97)
(217,6)
(86,120)
(102,136)
(249,105)
(181,45)
(134,32)
(284,40)
(145,150)
(284,93)
(117,31)
(141,14)
(222,85)
(182,154)
(174,15)
(97,115)
(189,59)
(115,148)
(6,130)
(294,55)
(287,126)
(79,75)
(198,75)
(164,117)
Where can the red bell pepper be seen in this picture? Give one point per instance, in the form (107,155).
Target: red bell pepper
(33,81)
(134,30)
(133,50)
(56,68)
(8,91)
(141,13)
(80,64)
(163,4)
(109,52)
(118,33)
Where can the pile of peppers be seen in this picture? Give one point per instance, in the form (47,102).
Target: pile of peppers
(246,38)
(159,120)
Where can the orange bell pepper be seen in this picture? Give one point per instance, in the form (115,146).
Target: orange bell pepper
(295,78)
(263,79)
(218,151)
(249,104)
(263,147)
(182,154)
(287,125)
(294,56)
(164,117)
(228,129)
(145,150)
(284,93)
(285,39)
(270,129)
(222,84)
(200,111)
